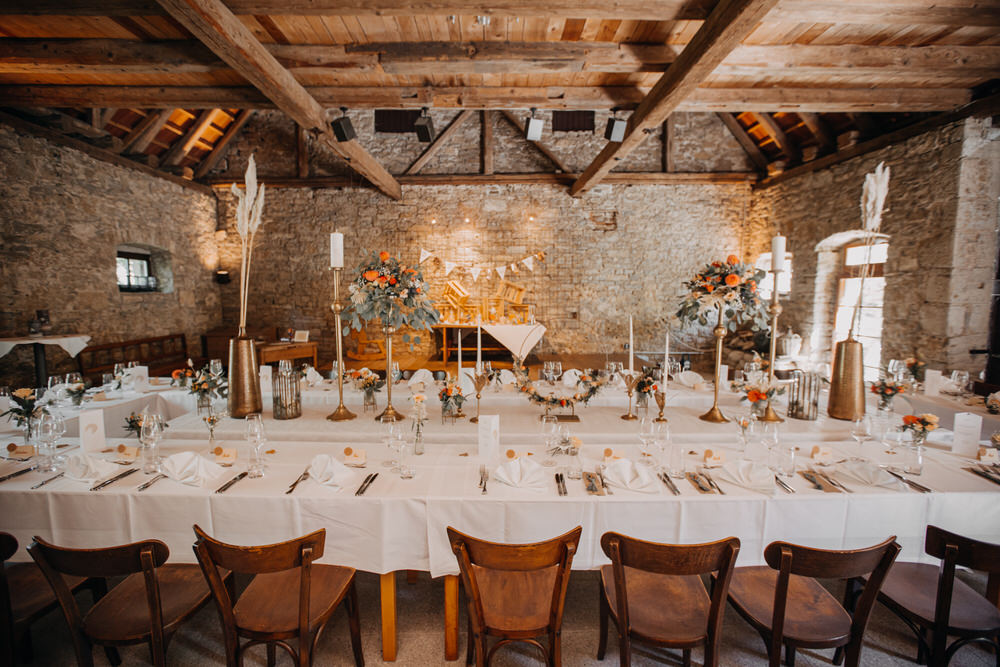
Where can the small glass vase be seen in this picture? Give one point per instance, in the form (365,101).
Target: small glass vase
(370,404)
(758,409)
(913,463)
(418,438)
(885,403)
(204,405)
(448,413)
(642,403)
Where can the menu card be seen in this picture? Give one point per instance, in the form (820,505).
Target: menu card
(932,382)
(489,438)
(965,441)
(140,378)
(92,430)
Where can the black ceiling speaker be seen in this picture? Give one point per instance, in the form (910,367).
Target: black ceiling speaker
(342,127)
(424,127)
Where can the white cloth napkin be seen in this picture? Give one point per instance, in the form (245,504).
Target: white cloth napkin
(625,474)
(522,473)
(313,377)
(571,377)
(423,376)
(748,474)
(690,379)
(507,377)
(189,468)
(326,470)
(83,468)
(862,472)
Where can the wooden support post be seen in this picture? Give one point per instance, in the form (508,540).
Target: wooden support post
(451,617)
(668,145)
(387,585)
(486,145)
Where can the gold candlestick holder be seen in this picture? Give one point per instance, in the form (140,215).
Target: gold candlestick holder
(390,413)
(769,414)
(661,402)
(715,415)
(631,382)
(341,413)
(479,380)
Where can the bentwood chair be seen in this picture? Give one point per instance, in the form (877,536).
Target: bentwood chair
(936,605)
(515,592)
(148,606)
(654,594)
(290,597)
(25,598)
(787,606)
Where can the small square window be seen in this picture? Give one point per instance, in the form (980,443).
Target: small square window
(133,273)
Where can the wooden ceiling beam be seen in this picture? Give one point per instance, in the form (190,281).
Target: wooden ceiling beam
(728,24)
(824,100)
(222,145)
(143,133)
(787,147)
(819,129)
(745,140)
(221,31)
(895,12)
(117,56)
(183,145)
(439,142)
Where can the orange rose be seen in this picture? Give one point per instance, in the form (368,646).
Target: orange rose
(382,279)
(417,290)
(874,389)
(392,281)
(709,288)
(732,280)
(910,420)
(732,259)
(177,374)
(370,275)
(383,256)
(752,283)
(753,396)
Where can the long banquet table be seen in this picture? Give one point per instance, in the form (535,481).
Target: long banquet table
(400,524)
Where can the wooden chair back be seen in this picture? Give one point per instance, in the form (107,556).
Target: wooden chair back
(873,563)
(557,553)
(8,547)
(958,551)
(116,561)
(717,557)
(296,553)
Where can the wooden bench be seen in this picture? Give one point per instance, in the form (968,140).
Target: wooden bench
(162,354)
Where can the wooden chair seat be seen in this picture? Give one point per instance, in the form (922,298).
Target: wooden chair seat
(813,617)
(30,594)
(270,604)
(913,587)
(513,607)
(663,608)
(122,616)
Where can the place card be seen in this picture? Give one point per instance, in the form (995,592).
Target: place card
(965,439)
(92,430)
(225,455)
(126,453)
(489,438)
(713,458)
(932,382)
(20,451)
(100,396)
(265,376)
(356,458)
(512,454)
(592,483)
(611,455)
(989,455)
(822,455)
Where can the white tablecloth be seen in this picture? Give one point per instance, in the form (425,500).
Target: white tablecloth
(72,343)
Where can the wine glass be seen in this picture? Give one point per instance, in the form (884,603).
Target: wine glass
(861,431)
(647,436)
(556,370)
(215,366)
(256,438)
(150,433)
(745,425)
(74,378)
(45,434)
(550,438)
(961,381)
(391,433)
(896,368)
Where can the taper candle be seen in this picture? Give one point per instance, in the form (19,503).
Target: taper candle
(631,341)
(458,335)
(778,253)
(336,250)
(479,346)
(666,356)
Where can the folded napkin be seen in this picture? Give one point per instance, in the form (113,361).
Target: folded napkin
(313,377)
(522,473)
(423,376)
(690,379)
(83,468)
(624,474)
(326,470)
(507,377)
(748,474)
(190,468)
(862,472)
(571,377)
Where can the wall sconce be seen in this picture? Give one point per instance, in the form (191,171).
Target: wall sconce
(424,127)
(222,277)
(343,130)
(533,128)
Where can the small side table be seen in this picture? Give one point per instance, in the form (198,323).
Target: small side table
(72,343)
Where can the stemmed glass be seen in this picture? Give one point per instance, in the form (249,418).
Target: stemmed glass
(861,431)
(45,438)
(149,436)
(550,438)
(745,424)
(390,436)
(647,435)
(961,381)
(896,368)
(256,437)
(215,366)
(880,426)
(556,370)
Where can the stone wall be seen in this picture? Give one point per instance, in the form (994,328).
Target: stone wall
(941,220)
(62,216)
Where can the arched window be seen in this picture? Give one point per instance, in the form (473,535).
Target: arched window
(868,329)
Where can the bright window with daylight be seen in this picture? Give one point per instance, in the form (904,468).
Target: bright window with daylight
(869,326)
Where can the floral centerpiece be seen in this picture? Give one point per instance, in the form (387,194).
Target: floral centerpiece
(586,388)
(916,367)
(729,287)
(395,295)
(886,390)
(182,376)
(76,392)
(133,424)
(369,383)
(758,391)
(25,409)
(920,426)
(451,398)
(993,403)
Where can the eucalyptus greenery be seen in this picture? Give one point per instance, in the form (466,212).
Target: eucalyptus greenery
(731,284)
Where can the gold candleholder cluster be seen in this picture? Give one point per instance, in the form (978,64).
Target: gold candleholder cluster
(631,382)
(479,380)
(775,309)
(341,413)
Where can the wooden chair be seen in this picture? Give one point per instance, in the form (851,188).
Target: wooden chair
(289,597)
(787,606)
(25,598)
(936,605)
(654,594)
(364,351)
(148,606)
(515,591)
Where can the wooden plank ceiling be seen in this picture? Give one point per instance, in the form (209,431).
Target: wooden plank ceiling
(811,78)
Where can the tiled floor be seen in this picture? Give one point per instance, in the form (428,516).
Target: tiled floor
(421,640)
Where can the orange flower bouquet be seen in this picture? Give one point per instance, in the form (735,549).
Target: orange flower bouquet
(919,426)
(731,284)
(757,391)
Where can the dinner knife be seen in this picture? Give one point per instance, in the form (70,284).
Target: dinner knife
(669,483)
(711,482)
(783,484)
(695,479)
(364,484)
(984,475)
(909,482)
(561,484)
(989,470)
(16,474)
(369,482)
(146,485)
(832,481)
(46,481)
(114,479)
(604,483)
(224,487)
(809,477)
(302,477)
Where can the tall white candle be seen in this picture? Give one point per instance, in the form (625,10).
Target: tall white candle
(778,253)
(631,342)
(336,250)
(666,356)
(458,336)
(479,347)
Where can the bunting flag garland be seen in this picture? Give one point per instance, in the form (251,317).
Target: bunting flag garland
(513,267)
(529,262)
(502,271)
(476,271)
(448,267)
(424,256)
